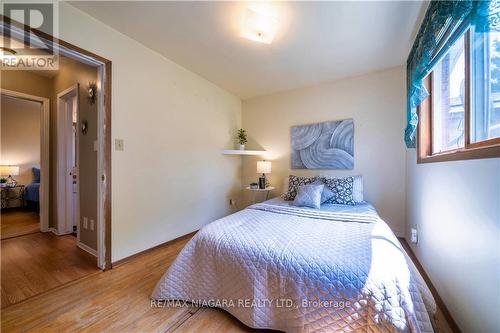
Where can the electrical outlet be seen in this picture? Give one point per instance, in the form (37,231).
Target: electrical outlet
(92,225)
(119,145)
(85,222)
(414,236)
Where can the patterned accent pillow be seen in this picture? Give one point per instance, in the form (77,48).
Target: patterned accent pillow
(309,196)
(327,194)
(343,190)
(293,183)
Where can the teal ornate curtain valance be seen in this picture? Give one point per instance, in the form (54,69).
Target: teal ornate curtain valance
(443,24)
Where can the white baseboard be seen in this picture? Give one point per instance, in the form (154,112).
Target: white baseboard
(87,249)
(55,232)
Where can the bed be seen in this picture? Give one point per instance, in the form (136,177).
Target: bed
(32,191)
(276,266)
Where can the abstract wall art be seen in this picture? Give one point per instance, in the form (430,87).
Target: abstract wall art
(327,145)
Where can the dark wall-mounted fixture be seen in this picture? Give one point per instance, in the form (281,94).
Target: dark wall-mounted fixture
(92,92)
(85,127)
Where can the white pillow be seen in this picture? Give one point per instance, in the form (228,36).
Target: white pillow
(357,189)
(285,184)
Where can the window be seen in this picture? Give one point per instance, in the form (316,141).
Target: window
(448,103)
(485,122)
(461,117)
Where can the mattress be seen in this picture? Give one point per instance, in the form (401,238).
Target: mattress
(293,269)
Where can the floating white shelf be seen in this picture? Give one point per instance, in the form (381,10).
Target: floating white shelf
(269,188)
(242,152)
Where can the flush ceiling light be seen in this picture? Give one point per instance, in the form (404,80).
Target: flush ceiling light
(259,26)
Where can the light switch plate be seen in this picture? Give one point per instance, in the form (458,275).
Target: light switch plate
(92,225)
(119,145)
(414,236)
(95,145)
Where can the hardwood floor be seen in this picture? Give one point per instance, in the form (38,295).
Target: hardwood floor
(35,263)
(117,301)
(16,222)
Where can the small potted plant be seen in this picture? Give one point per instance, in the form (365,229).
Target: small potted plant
(241,136)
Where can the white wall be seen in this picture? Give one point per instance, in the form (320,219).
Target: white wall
(456,208)
(375,101)
(171,178)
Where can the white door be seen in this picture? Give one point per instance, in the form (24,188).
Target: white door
(67,161)
(73,193)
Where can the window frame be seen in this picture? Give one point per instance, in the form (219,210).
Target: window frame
(483,149)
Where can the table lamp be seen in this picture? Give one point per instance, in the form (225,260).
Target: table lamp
(9,170)
(263,167)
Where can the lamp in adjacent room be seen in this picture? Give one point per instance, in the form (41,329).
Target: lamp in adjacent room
(9,170)
(263,167)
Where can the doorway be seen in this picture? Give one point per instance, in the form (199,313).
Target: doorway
(102,221)
(25,154)
(55,256)
(28,248)
(68,213)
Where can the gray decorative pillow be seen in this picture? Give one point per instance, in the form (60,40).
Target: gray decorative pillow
(309,196)
(343,190)
(293,183)
(327,194)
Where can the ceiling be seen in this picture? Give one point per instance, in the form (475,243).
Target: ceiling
(316,41)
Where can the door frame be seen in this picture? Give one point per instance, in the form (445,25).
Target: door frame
(63,223)
(44,152)
(35,37)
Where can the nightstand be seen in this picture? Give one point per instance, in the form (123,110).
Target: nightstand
(12,193)
(256,190)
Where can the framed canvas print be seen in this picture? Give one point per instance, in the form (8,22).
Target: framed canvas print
(327,145)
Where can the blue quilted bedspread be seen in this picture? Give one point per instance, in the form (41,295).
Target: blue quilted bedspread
(32,192)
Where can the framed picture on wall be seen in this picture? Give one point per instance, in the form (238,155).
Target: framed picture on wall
(326,145)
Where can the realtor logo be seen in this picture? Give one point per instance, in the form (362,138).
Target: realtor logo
(24,49)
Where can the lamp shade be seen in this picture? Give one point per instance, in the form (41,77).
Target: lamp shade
(263,167)
(9,170)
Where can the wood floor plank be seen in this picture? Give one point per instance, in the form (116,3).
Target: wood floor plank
(101,302)
(16,222)
(35,263)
